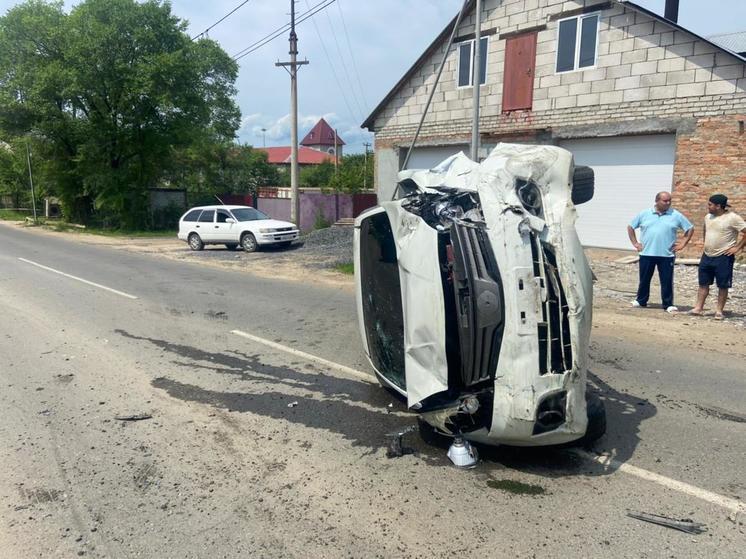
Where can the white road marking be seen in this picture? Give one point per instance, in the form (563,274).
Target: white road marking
(341,368)
(605,460)
(78,279)
(719,500)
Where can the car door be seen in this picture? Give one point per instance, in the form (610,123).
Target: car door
(205,226)
(223,231)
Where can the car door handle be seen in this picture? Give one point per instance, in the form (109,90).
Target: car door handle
(217,226)
(197,226)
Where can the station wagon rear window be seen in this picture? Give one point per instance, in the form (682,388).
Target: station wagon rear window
(193,215)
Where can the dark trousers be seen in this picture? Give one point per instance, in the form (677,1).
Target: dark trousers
(665,275)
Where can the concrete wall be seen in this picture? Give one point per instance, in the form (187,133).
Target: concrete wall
(313,203)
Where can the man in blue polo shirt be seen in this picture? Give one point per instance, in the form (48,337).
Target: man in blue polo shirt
(658,247)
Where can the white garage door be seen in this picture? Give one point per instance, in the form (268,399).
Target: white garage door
(629,172)
(429,157)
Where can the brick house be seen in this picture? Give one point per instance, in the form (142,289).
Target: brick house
(648,104)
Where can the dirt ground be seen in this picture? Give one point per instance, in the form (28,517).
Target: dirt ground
(614,289)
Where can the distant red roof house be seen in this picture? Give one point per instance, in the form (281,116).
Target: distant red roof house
(321,138)
(306,156)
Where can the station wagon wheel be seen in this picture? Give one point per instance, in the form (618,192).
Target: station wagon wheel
(195,243)
(248,242)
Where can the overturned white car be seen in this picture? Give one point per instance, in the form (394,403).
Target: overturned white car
(474,297)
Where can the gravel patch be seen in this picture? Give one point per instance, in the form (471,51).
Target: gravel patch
(618,282)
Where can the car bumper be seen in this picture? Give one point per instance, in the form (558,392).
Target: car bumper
(271,238)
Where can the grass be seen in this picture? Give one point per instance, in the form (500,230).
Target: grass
(346,268)
(70,228)
(12,215)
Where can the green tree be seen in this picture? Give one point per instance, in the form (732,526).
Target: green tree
(317,176)
(215,168)
(14,180)
(113,91)
(354,173)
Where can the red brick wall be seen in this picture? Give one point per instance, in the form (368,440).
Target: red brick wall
(712,159)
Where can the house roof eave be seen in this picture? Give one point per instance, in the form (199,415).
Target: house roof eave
(442,36)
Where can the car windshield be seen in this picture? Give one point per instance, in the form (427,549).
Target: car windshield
(248,214)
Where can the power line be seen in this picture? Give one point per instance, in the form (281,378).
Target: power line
(226,16)
(277,32)
(352,56)
(344,66)
(331,66)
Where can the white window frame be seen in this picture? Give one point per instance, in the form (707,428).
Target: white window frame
(578,32)
(471,62)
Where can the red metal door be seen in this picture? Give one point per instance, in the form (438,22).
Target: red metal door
(518,78)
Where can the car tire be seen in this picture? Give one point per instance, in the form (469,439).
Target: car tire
(582,184)
(248,242)
(231,246)
(596,419)
(195,243)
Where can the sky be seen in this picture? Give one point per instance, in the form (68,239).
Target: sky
(357,51)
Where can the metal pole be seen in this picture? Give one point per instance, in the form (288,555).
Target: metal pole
(365,167)
(435,85)
(294,175)
(477,77)
(293,65)
(31,181)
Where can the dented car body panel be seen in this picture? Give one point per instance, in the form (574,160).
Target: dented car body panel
(474,296)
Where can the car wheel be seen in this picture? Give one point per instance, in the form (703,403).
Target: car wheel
(582,185)
(248,242)
(596,419)
(195,243)
(231,246)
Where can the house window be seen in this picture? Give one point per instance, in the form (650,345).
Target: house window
(465,72)
(576,42)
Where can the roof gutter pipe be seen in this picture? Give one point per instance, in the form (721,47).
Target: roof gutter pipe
(435,85)
(671,12)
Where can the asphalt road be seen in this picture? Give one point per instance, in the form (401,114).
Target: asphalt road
(254,450)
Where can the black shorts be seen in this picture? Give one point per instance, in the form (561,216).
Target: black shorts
(719,268)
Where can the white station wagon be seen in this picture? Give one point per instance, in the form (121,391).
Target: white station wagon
(233,226)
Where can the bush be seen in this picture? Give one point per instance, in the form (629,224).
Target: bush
(321,221)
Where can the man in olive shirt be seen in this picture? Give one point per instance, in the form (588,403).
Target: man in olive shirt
(721,246)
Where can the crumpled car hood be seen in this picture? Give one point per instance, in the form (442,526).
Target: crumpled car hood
(511,229)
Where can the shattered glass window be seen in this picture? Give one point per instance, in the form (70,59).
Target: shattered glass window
(381,294)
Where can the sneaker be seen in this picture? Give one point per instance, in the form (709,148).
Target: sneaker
(672,309)
(636,303)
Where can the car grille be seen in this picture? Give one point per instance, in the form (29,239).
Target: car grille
(283,229)
(479,303)
(555,348)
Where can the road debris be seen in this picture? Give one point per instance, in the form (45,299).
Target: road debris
(396,448)
(133,417)
(292,404)
(683,525)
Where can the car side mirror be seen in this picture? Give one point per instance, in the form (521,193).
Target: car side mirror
(230,220)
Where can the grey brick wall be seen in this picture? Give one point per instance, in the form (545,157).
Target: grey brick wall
(644,67)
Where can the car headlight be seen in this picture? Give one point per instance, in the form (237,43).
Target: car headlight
(266,230)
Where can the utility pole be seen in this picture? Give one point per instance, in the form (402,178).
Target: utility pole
(365,166)
(31,181)
(477,77)
(264,137)
(293,71)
